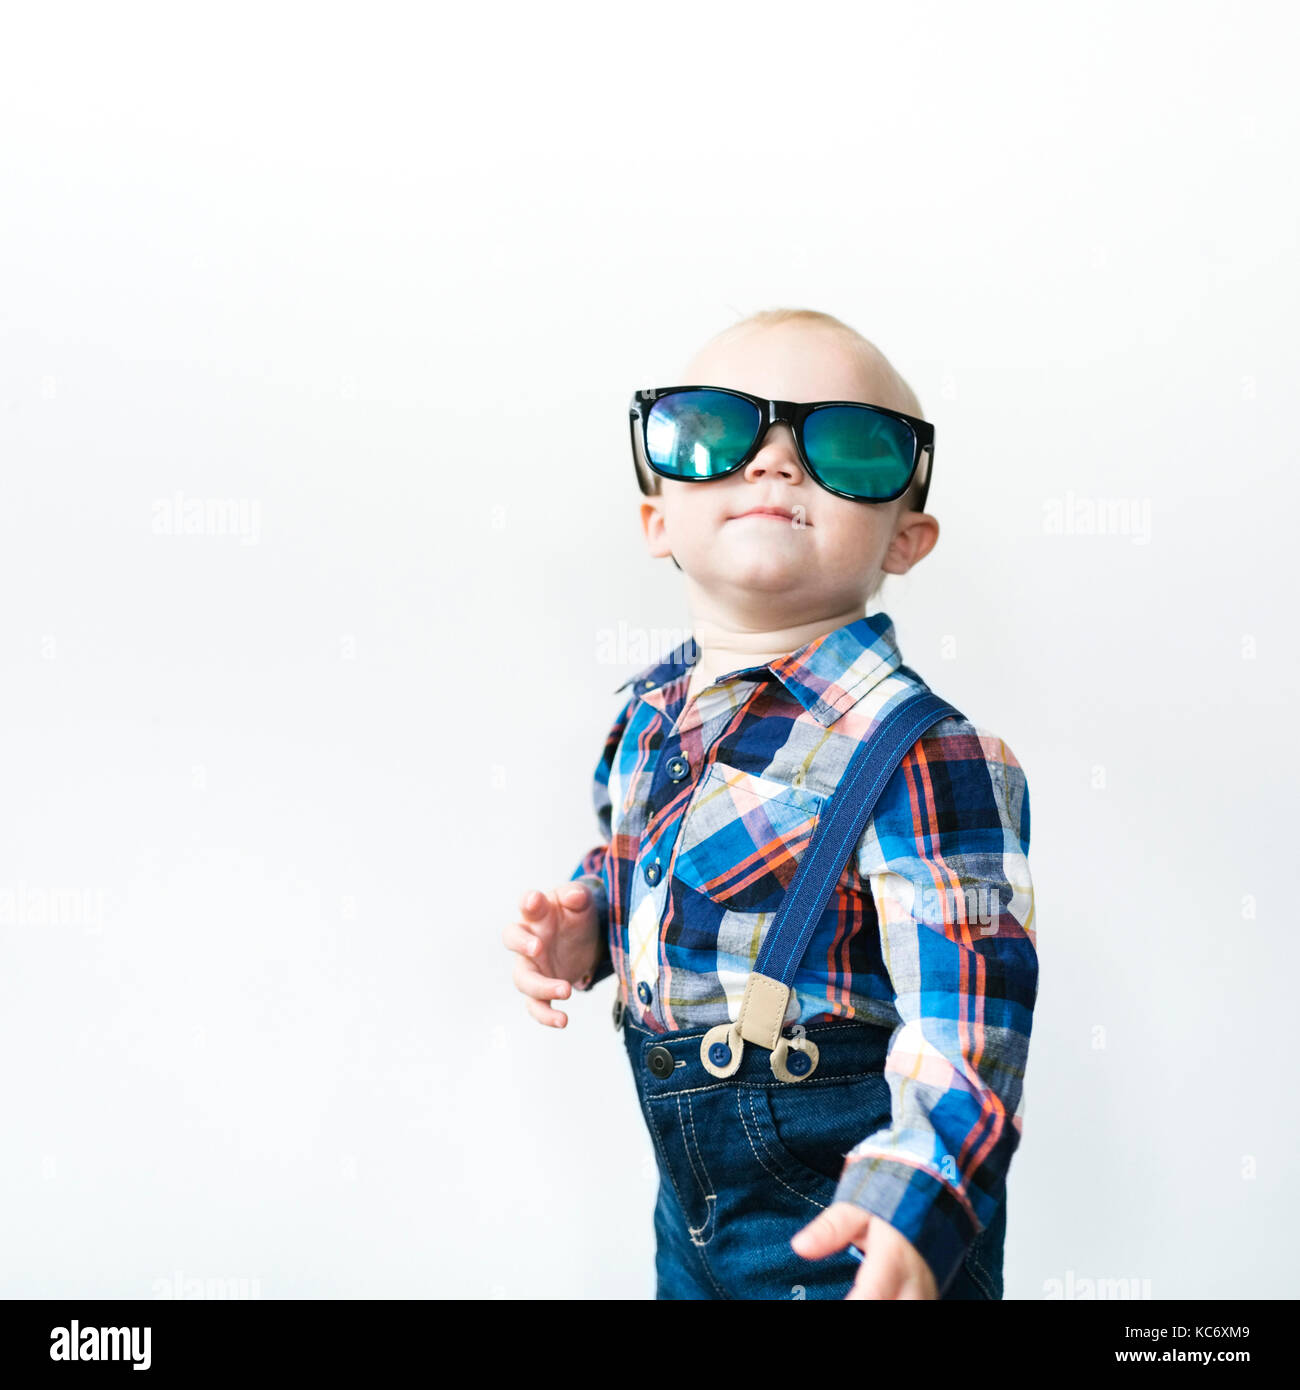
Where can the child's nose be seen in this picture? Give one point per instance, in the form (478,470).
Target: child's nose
(777,455)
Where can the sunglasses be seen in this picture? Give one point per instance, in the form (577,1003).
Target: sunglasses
(694,433)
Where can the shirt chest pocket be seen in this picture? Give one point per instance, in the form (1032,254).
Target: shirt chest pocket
(743,838)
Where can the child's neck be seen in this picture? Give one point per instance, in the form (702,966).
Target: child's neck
(723,648)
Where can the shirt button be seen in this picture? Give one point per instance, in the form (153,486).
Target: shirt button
(647,685)
(618,1013)
(652,873)
(644,993)
(677,769)
(660,1062)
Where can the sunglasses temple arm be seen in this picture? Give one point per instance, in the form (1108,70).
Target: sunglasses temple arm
(638,457)
(927,453)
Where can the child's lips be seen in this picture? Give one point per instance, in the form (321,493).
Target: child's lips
(775,513)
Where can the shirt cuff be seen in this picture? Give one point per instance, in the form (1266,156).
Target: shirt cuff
(916,1202)
(604,966)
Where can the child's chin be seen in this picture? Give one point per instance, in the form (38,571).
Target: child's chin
(756,567)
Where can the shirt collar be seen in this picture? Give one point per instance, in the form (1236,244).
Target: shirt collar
(828,675)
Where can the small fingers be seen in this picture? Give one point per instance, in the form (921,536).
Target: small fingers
(574,896)
(517,937)
(871,1282)
(840,1224)
(551,1017)
(529,980)
(536,907)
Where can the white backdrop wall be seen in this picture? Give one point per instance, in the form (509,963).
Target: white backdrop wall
(380,279)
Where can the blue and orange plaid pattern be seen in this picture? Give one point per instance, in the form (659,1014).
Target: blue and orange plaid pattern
(705,812)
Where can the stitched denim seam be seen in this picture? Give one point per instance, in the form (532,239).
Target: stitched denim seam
(790,1158)
(666,1166)
(681,1206)
(708,1177)
(740,1111)
(705,1186)
(823,1083)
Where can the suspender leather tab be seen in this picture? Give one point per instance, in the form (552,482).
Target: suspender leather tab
(762,1010)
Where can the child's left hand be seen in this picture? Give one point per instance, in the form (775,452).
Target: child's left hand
(892,1267)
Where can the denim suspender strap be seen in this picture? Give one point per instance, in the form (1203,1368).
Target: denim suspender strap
(840,826)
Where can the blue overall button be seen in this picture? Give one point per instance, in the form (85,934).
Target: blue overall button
(719,1054)
(644,993)
(797,1063)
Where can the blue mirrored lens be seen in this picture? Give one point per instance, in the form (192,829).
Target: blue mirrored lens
(700,434)
(860,451)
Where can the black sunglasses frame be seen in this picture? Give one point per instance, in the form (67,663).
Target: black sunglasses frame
(792,413)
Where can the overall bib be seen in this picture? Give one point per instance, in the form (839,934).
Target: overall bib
(750,1125)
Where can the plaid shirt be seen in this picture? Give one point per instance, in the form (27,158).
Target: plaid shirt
(705,813)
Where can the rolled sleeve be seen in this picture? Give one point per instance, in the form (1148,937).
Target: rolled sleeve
(595,867)
(591,872)
(946,855)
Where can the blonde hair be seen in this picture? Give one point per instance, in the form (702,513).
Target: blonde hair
(899,395)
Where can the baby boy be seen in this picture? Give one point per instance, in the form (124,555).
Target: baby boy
(785,478)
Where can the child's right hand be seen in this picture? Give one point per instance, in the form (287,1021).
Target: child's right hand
(557,945)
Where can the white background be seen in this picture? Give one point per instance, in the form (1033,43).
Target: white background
(386,276)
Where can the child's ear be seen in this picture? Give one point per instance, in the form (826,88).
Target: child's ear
(652,523)
(912,542)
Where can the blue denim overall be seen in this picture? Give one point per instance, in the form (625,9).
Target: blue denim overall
(748,1159)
